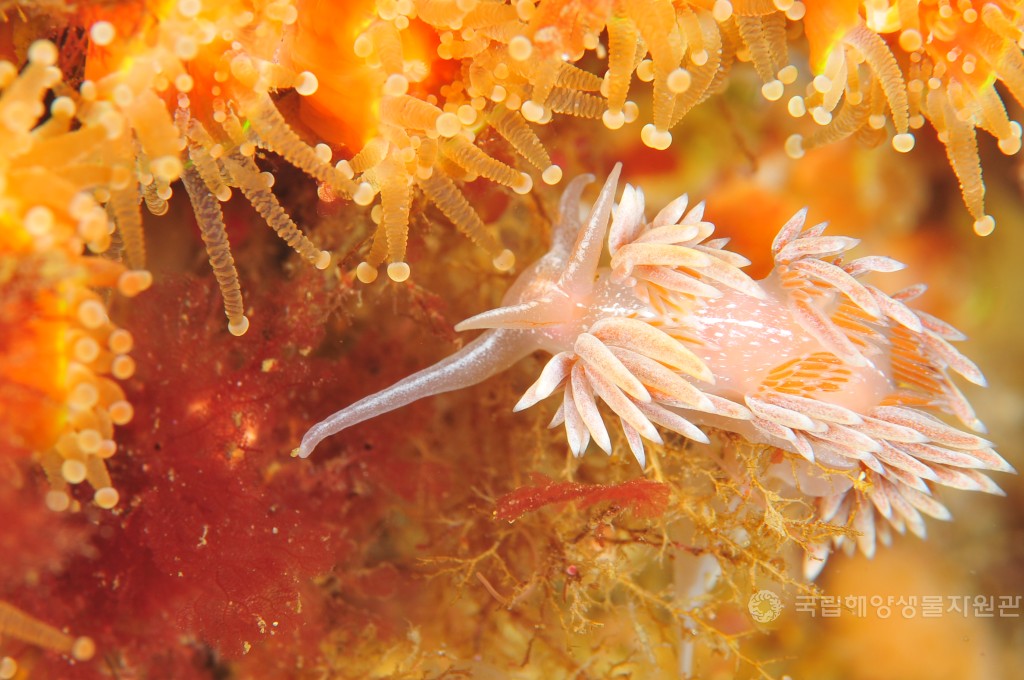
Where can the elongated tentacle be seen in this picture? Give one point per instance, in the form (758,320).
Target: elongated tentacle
(491,353)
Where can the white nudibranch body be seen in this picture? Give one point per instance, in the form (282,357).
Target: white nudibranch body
(673,335)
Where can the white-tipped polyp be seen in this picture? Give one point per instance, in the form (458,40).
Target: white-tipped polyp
(133,282)
(239,326)
(721,10)
(448,124)
(366,273)
(655,138)
(679,80)
(552,175)
(524,185)
(345,168)
(773,90)
(396,85)
(323,152)
(631,111)
(1009,145)
(532,111)
(903,142)
(985,226)
(306,84)
(106,497)
(794,146)
(364,194)
(398,271)
(613,120)
(102,33)
(520,48)
(83,648)
(504,261)
(42,52)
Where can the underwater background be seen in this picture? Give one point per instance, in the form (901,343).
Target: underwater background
(454,538)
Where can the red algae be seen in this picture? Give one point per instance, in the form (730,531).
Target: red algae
(644,497)
(214,544)
(221,548)
(35,542)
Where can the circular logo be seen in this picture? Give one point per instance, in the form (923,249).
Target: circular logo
(764,606)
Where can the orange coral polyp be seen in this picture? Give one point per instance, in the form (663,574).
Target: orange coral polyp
(419,45)
(127,19)
(954,37)
(825,24)
(33,359)
(33,365)
(562,28)
(340,111)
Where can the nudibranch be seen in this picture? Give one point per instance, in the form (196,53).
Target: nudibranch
(841,377)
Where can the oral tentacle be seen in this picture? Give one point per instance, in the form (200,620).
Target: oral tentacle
(491,353)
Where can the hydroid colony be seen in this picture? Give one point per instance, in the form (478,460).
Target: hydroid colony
(388,106)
